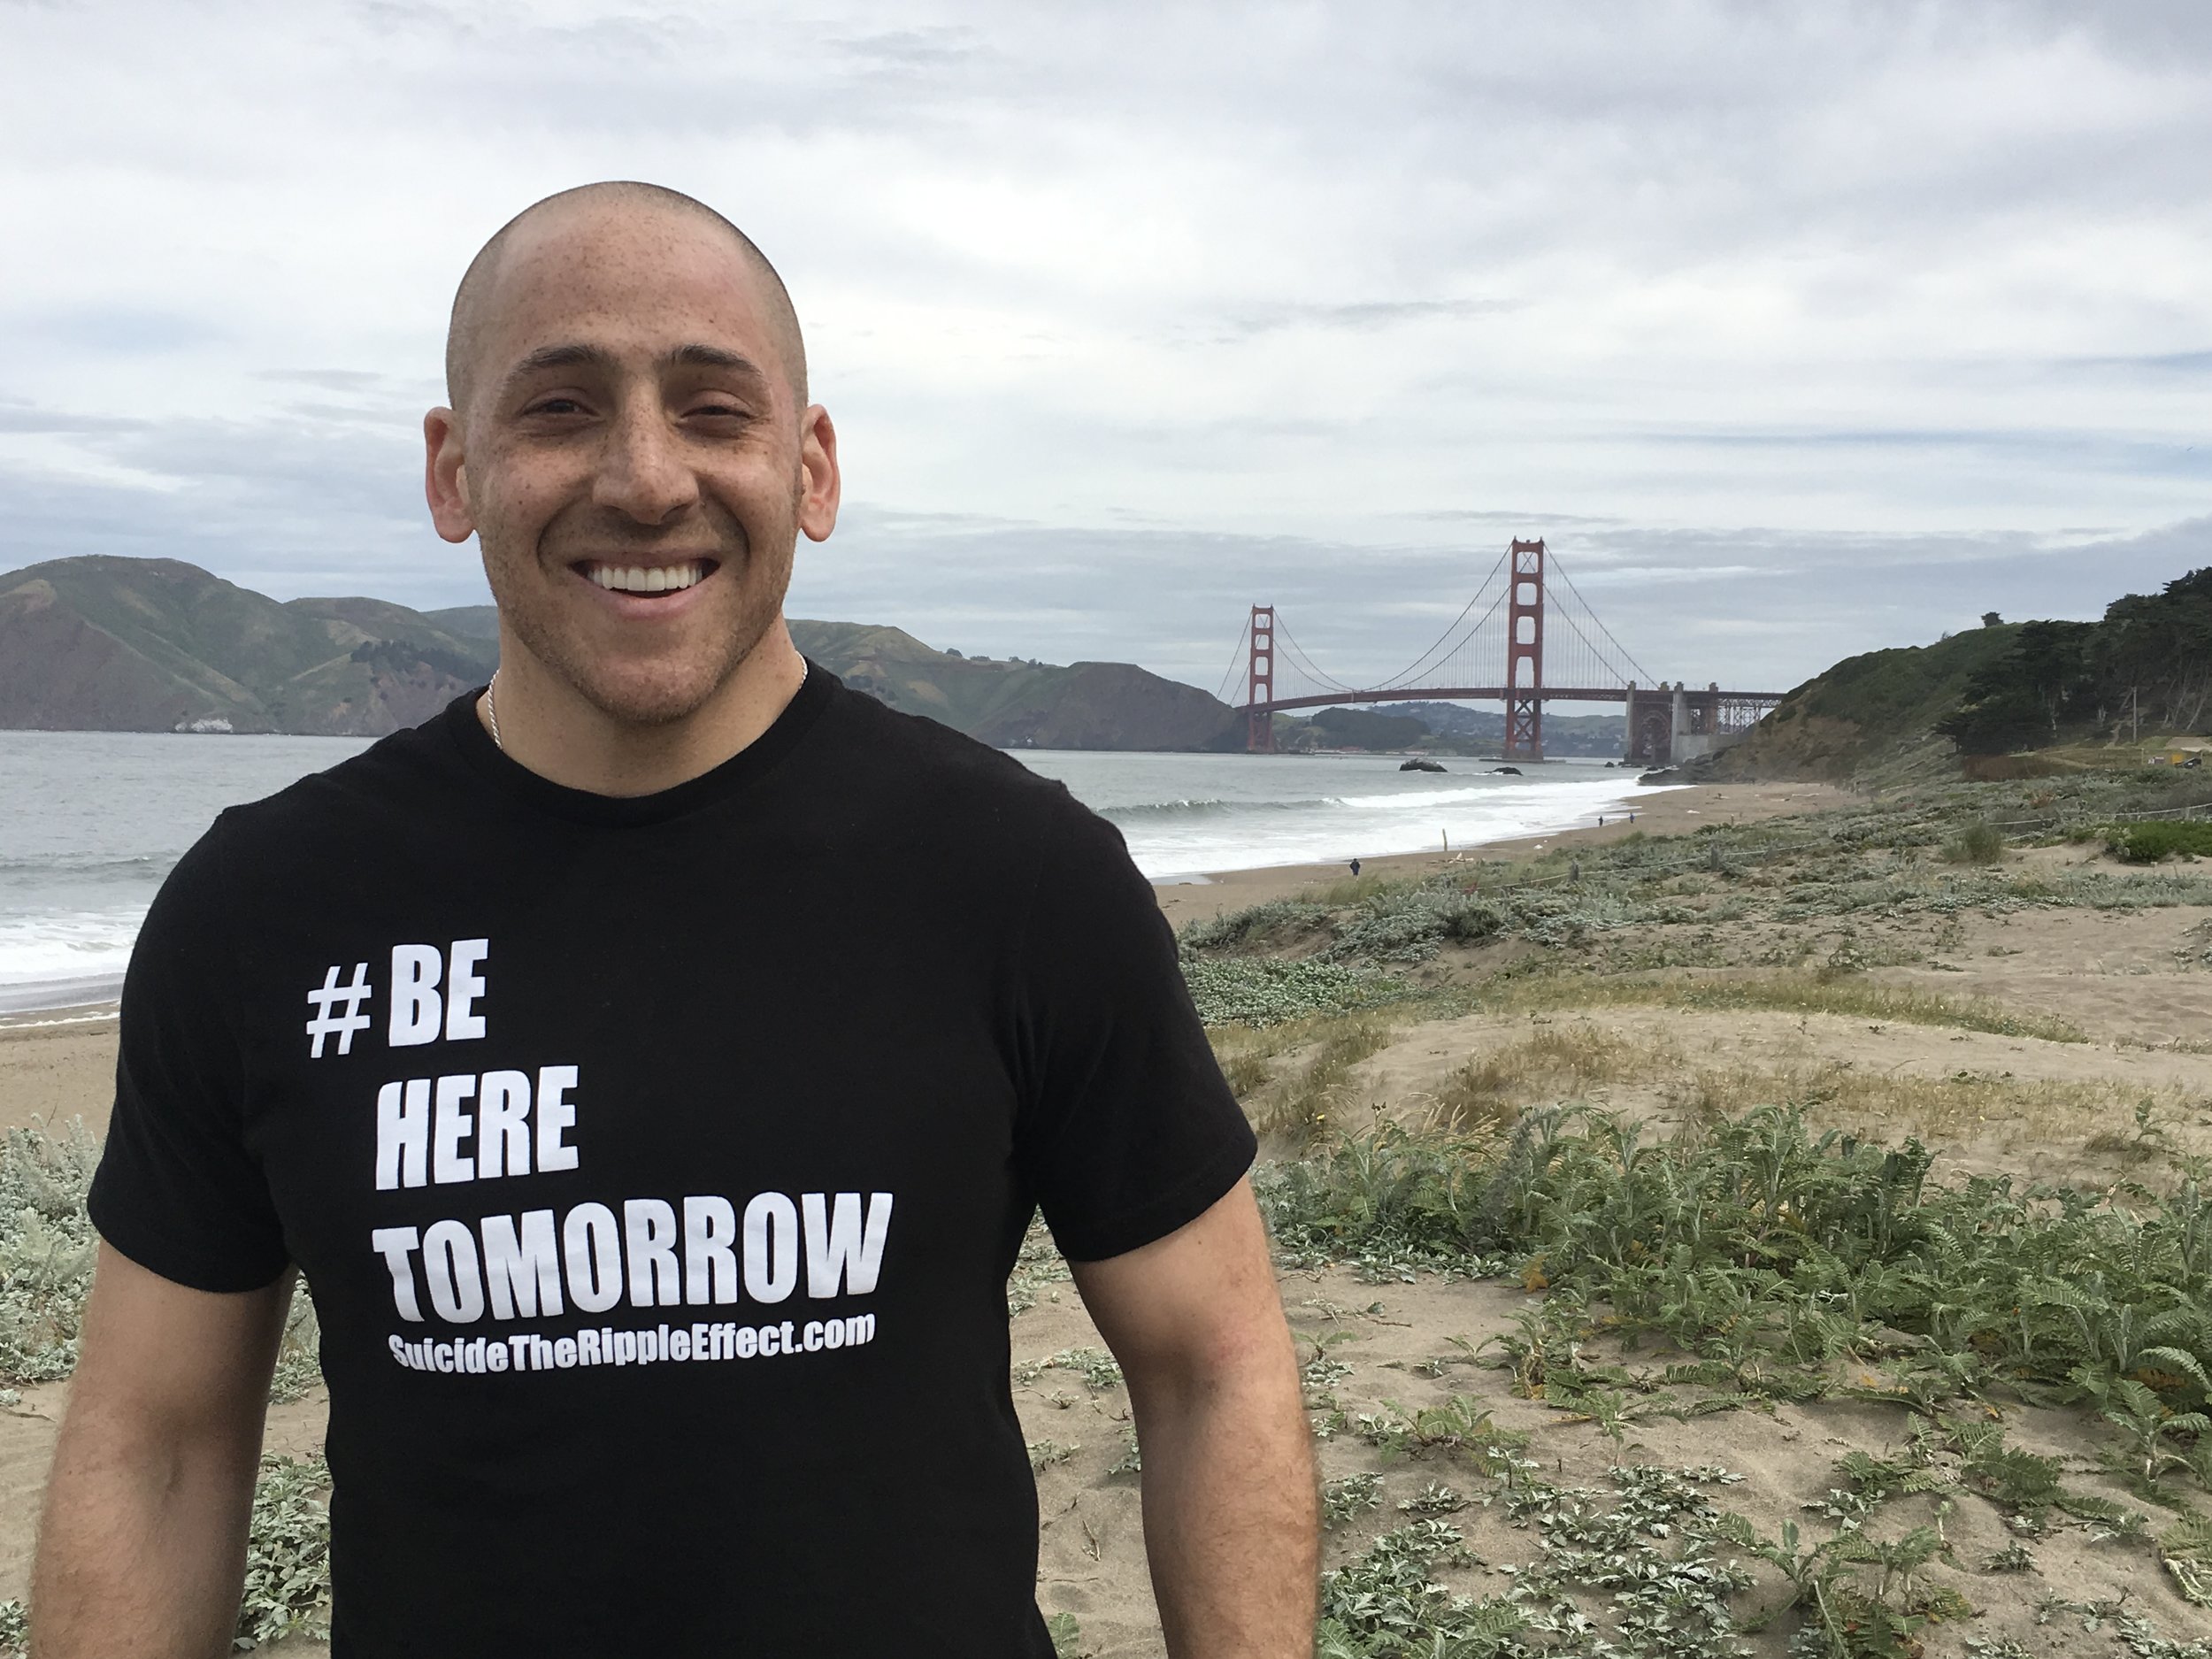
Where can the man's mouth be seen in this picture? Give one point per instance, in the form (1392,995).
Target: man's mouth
(648,578)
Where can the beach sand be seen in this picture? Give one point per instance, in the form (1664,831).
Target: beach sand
(2133,982)
(1672,812)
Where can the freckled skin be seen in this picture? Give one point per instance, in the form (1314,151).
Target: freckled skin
(632,458)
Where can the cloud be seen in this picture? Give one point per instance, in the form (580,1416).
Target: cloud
(1796,330)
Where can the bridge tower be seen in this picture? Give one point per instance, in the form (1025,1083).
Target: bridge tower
(1259,684)
(1524,653)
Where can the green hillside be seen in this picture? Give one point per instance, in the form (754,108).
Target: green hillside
(127,644)
(2145,669)
(155,645)
(1880,706)
(1013,704)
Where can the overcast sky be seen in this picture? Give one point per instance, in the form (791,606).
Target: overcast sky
(1796,330)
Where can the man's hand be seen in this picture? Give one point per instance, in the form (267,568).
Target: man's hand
(143,1545)
(1229,1513)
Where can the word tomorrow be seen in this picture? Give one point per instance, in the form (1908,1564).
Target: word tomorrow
(527,1267)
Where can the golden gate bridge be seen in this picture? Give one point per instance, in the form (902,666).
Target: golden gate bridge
(1513,645)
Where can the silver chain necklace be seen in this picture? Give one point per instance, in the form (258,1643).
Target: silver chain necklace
(491,711)
(491,701)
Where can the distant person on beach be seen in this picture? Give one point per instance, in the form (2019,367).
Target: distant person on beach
(659,1209)
(1356,869)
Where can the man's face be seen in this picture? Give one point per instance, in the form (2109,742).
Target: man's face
(631,458)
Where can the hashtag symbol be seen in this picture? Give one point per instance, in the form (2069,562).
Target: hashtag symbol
(345,1025)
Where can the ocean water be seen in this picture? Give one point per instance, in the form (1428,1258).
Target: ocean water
(1186,815)
(90,823)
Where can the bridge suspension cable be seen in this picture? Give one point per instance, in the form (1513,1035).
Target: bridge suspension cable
(1236,663)
(1297,655)
(1406,676)
(1644,676)
(1473,661)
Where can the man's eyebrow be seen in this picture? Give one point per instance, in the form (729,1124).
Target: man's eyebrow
(563,356)
(579,355)
(705,357)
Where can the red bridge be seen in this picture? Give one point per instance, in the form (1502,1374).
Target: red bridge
(1478,662)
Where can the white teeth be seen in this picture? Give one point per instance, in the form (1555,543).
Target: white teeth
(635,578)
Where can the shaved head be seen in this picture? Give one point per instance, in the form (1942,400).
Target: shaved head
(475,301)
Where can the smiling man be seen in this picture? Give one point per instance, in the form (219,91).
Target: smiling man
(652,1066)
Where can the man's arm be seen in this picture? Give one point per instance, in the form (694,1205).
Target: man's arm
(1229,1511)
(143,1545)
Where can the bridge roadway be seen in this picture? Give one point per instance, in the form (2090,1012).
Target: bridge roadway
(1667,722)
(1499,694)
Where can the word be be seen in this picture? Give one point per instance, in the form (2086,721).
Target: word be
(416,1004)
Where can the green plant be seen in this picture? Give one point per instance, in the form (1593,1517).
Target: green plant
(1096,1366)
(1768,1252)
(1433,1499)
(2149,1426)
(2185,1549)
(1344,1499)
(2147,843)
(1260,991)
(1044,1453)
(1387,1602)
(1976,843)
(47,1247)
(1256,925)
(299,1352)
(1067,1636)
(288,1555)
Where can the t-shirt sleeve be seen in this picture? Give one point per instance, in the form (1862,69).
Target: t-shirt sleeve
(177,1191)
(1127,1130)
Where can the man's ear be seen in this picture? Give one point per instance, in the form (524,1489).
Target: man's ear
(445,480)
(822,486)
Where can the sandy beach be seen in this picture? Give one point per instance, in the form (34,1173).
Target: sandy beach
(2108,1007)
(1657,811)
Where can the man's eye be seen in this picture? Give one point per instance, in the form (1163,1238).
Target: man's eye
(554,406)
(723,411)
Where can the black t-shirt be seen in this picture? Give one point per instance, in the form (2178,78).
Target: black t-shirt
(658,1165)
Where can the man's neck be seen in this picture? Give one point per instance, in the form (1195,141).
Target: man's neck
(538,720)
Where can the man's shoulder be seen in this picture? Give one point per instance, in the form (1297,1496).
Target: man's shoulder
(393,773)
(914,757)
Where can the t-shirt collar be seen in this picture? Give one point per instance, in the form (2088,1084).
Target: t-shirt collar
(518,783)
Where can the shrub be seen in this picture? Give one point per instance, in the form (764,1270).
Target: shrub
(1773,1251)
(2148,842)
(47,1247)
(1240,929)
(1249,991)
(1976,844)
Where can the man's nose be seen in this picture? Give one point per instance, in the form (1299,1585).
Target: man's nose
(642,471)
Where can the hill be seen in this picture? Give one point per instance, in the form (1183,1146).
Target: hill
(118,644)
(1459,729)
(154,645)
(2143,670)
(1876,707)
(1012,703)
